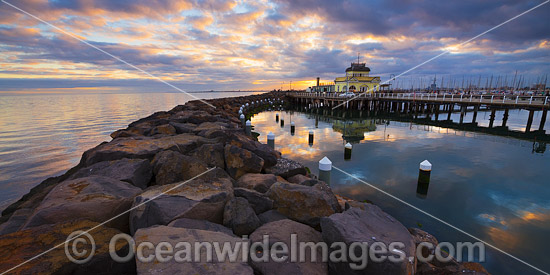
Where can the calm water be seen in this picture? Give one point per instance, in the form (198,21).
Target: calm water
(495,188)
(45,135)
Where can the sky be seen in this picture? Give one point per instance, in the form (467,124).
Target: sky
(200,45)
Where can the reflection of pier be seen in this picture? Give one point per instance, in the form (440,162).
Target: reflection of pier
(428,105)
(369,117)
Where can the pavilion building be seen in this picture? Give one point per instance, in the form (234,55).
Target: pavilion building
(357,79)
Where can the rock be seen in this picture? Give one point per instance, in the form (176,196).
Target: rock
(93,198)
(281,231)
(201,199)
(435,267)
(298,179)
(141,147)
(190,265)
(16,248)
(239,216)
(271,216)
(264,151)
(259,202)
(211,154)
(258,182)
(16,221)
(241,161)
(183,128)
(137,172)
(306,204)
(171,167)
(287,168)
(205,126)
(370,225)
(200,224)
(165,129)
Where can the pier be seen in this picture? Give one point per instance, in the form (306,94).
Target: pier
(427,104)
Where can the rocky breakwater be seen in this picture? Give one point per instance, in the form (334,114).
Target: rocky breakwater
(191,175)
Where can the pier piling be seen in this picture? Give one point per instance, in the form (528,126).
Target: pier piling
(248,127)
(347,151)
(325,166)
(271,140)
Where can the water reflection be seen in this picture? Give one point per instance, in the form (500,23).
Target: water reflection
(45,135)
(490,186)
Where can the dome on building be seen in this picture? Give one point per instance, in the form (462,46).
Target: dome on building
(358,67)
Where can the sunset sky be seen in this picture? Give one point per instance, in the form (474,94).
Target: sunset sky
(258,45)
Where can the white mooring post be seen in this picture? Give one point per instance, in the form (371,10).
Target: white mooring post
(325,166)
(242,119)
(277,117)
(347,151)
(271,140)
(248,127)
(310,139)
(282,122)
(423,179)
(424,172)
(292,128)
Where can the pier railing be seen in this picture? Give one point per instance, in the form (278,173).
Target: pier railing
(538,101)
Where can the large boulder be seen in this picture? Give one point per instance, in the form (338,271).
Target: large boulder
(298,179)
(258,182)
(436,267)
(164,129)
(200,224)
(171,167)
(137,172)
(286,168)
(271,216)
(201,198)
(258,201)
(306,204)
(211,154)
(192,265)
(370,226)
(141,147)
(281,231)
(239,216)
(241,161)
(183,128)
(94,198)
(268,154)
(18,247)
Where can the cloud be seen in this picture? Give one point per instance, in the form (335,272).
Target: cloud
(259,44)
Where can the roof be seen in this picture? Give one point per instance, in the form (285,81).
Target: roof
(358,78)
(358,67)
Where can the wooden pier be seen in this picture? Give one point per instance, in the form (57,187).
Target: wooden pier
(431,104)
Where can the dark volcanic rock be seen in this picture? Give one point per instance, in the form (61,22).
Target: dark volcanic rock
(298,179)
(201,199)
(239,216)
(137,172)
(241,161)
(200,224)
(269,155)
(211,154)
(370,225)
(435,267)
(281,231)
(258,182)
(171,167)
(94,198)
(258,201)
(174,236)
(271,216)
(15,248)
(141,147)
(306,204)
(287,168)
